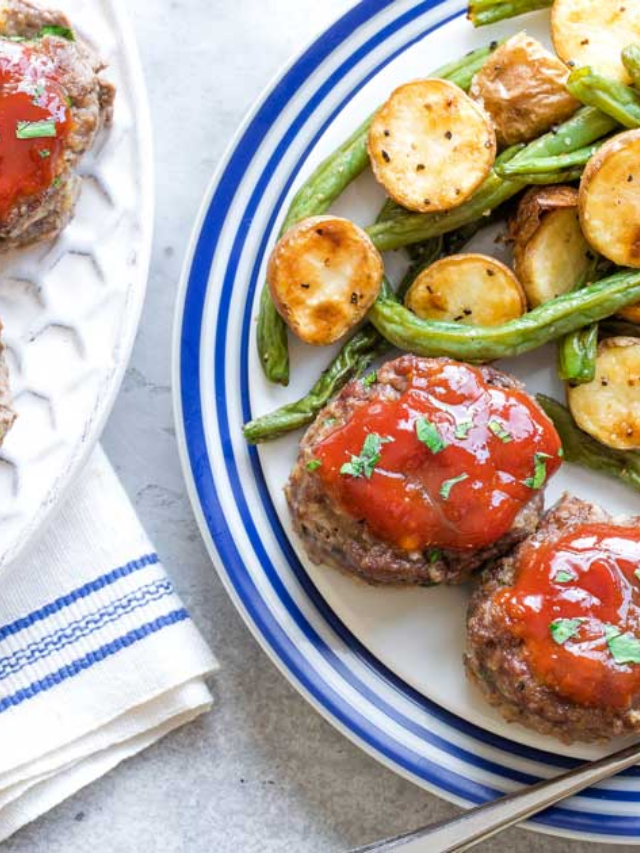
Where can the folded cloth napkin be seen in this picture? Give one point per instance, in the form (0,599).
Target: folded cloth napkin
(98,657)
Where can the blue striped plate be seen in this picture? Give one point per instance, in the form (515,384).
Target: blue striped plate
(383,665)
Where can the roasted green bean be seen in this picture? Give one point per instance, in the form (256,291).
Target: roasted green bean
(483,12)
(584,128)
(577,351)
(631,61)
(615,99)
(546,323)
(316,195)
(549,165)
(581,449)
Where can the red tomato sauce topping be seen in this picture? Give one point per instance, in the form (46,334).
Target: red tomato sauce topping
(34,121)
(448,464)
(576,606)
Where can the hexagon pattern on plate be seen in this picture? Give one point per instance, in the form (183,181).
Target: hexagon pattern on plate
(70,308)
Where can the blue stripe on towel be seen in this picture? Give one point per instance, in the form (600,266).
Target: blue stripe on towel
(76,594)
(87,661)
(85,626)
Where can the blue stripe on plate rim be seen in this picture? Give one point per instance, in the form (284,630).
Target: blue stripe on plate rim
(560,820)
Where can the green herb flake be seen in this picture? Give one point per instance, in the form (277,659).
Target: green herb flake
(370,379)
(539,472)
(624,648)
(59,32)
(314,464)
(434,556)
(364,464)
(564,629)
(329,421)
(564,576)
(44,153)
(35,129)
(463,429)
(500,432)
(637,573)
(561,453)
(429,434)
(445,488)
(37,93)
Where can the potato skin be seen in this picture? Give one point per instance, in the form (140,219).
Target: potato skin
(609,200)
(431,146)
(522,87)
(323,275)
(594,32)
(473,289)
(608,408)
(551,254)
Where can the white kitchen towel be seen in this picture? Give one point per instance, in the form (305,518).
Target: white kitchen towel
(98,656)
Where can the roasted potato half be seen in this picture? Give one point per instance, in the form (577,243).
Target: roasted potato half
(608,408)
(324,274)
(522,87)
(609,200)
(473,289)
(431,146)
(594,32)
(551,255)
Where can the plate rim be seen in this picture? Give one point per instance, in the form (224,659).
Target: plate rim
(192,489)
(53,500)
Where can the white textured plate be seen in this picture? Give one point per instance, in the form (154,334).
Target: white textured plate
(384,665)
(70,309)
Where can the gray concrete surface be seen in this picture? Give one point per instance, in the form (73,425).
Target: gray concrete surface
(263,773)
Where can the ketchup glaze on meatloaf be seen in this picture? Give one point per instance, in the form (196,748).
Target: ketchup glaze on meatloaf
(422,472)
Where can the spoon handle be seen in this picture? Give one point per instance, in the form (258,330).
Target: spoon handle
(479,824)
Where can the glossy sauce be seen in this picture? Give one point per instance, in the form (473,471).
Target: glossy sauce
(605,592)
(30,91)
(405,500)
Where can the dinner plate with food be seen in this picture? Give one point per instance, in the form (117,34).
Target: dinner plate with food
(407,385)
(76,211)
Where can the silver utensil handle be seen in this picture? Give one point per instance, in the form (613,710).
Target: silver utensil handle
(481,823)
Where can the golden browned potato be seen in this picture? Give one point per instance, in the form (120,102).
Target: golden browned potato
(324,275)
(608,408)
(551,255)
(473,289)
(594,32)
(609,200)
(522,87)
(431,146)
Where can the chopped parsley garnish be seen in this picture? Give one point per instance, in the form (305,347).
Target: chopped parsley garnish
(314,464)
(445,488)
(44,153)
(329,421)
(364,464)
(539,472)
(429,434)
(637,573)
(35,129)
(434,556)
(500,432)
(463,429)
(564,629)
(60,32)
(38,92)
(370,379)
(624,648)
(561,453)
(564,576)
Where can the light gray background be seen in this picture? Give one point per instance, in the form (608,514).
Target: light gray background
(263,772)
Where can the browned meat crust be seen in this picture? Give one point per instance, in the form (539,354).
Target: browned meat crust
(330,536)
(496,660)
(44,216)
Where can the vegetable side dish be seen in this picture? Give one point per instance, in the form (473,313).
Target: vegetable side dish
(432,469)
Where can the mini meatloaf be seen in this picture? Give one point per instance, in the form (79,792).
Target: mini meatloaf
(422,472)
(554,628)
(53,103)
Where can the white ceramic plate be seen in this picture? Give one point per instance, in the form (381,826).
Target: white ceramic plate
(71,309)
(384,665)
